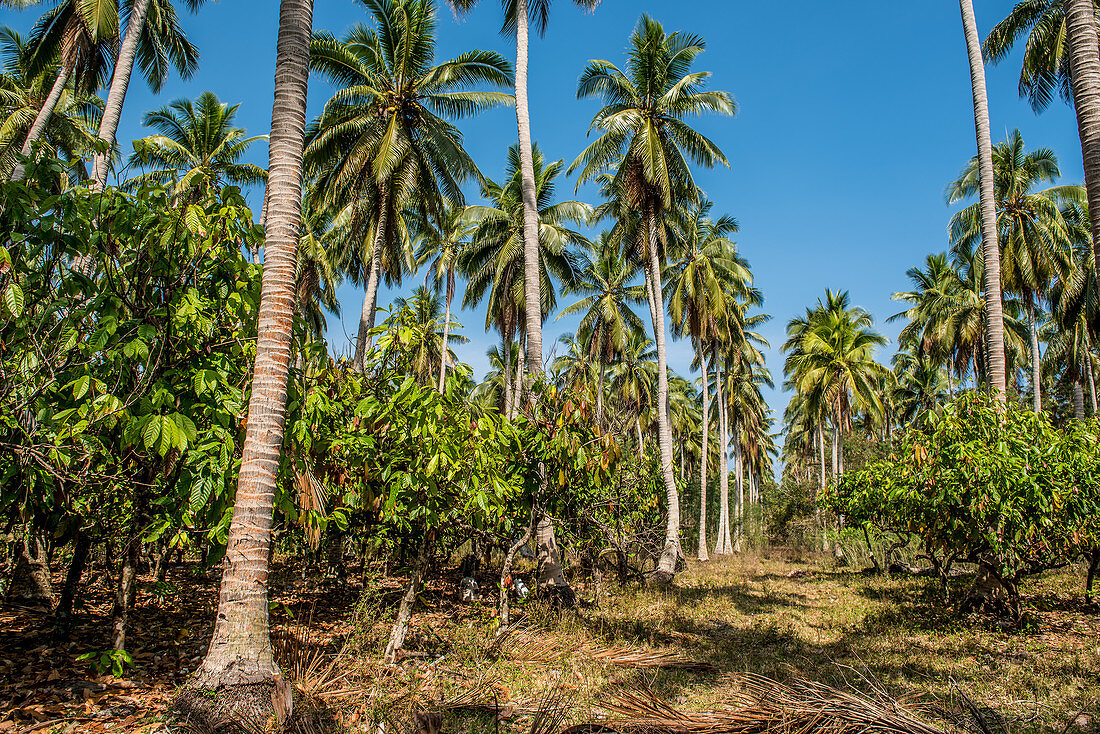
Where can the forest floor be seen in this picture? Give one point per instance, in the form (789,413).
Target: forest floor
(772,614)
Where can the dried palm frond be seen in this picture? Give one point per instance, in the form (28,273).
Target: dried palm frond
(530,646)
(762,706)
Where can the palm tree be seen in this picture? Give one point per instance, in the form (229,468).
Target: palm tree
(442,245)
(633,379)
(643,136)
(22,94)
(830,359)
(198,149)
(77,36)
(417,326)
(707,272)
(153,38)
(494,262)
(317,277)
(518,14)
(1084,49)
(920,384)
(1032,230)
(240,650)
(604,275)
(382,145)
(995,322)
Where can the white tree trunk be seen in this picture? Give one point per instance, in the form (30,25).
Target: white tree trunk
(703,554)
(42,120)
(531,283)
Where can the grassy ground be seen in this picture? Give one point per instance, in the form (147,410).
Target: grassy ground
(768,614)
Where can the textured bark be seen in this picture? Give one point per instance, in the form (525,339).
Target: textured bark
(994,323)
(120,80)
(124,594)
(405,609)
(599,392)
(507,378)
(240,651)
(548,556)
(703,554)
(1036,376)
(1092,383)
(42,119)
(446,328)
(1084,55)
(1078,401)
(30,577)
(531,282)
(671,554)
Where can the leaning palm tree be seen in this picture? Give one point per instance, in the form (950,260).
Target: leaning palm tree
(77,37)
(155,40)
(604,276)
(995,322)
(198,148)
(1032,228)
(22,93)
(240,652)
(382,143)
(518,14)
(644,138)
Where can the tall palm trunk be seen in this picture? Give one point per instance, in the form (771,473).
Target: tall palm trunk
(240,651)
(1033,332)
(1088,371)
(723,546)
(42,119)
(531,282)
(821,483)
(507,377)
(370,300)
(703,554)
(995,337)
(1078,401)
(1084,56)
(666,568)
(599,391)
(739,507)
(120,80)
(446,328)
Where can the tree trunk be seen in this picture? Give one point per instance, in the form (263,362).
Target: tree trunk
(1036,376)
(446,328)
(506,378)
(671,554)
(82,544)
(821,485)
(994,325)
(1084,57)
(160,571)
(703,554)
(506,570)
(405,610)
(1078,401)
(240,651)
(120,80)
(30,576)
(724,545)
(548,555)
(42,119)
(370,301)
(739,483)
(599,392)
(638,434)
(531,283)
(124,593)
(517,386)
(1088,371)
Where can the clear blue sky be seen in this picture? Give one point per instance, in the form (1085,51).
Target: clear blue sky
(853,117)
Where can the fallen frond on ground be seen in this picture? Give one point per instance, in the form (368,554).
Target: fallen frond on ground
(537,646)
(762,705)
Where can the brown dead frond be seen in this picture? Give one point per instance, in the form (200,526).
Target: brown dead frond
(763,706)
(530,645)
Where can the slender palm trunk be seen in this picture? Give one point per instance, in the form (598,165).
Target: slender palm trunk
(507,376)
(836,452)
(599,392)
(724,545)
(531,282)
(739,507)
(1084,56)
(1033,332)
(821,483)
(995,337)
(370,301)
(446,328)
(42,119)
(671,553)
(638,433)
(120,80)
(240,651)
(1078,401)
(703,554)
(1092,384)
